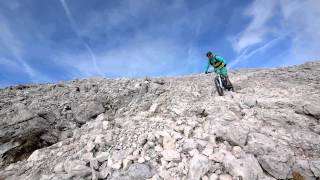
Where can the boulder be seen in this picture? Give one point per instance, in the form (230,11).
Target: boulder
(88,110)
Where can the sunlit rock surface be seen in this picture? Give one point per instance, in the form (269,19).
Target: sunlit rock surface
(165,128)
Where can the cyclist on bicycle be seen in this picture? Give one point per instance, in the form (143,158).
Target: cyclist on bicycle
(219,65)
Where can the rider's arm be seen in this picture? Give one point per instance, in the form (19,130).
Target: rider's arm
(207,67)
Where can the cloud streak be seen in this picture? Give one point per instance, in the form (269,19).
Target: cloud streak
(76,30)
(10,43)
(245,55)
(155,47)
(272,21)
(261,12)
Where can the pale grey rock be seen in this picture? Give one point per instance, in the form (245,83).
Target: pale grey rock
(90,146)
(95,175)
(141,160)
(189,144)
(274,123)
(168,143)
(158,148)
(66,134)
(312,109)
(237,151)
(87,157)
(208,151)
(193,152)
(102,156)
(204,178)
(218,156)
(126,164)
(7,146)
(59,168)
(101,117)
(246,168)
(315,168)
(225,177)
(250,101)
(187,130)
(77,168)
(94,164)
(139,171)
(116,165)
(104,173)
(105,125)
(214,176)
(277,165)
(199,166)
(171,155)
(99,140)
(142,139)
(88,110)
(37,156)
(302,167)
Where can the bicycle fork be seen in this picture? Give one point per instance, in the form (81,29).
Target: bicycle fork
(220,82)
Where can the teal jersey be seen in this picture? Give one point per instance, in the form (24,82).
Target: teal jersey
(214,60)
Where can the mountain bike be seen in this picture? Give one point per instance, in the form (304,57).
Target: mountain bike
(222,84)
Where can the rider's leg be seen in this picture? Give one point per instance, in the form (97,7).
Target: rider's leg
(224,72)
(228,80)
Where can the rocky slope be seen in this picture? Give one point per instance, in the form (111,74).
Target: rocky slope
(165,128)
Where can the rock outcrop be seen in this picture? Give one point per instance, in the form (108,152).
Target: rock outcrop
(165,128)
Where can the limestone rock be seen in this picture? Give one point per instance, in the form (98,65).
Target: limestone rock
(189,144)
(59,168)
(198,166)
(141,171)
(171,155)
(225,177)
(37,156)
(214,176)
(315,168)
(102,156)
(76,168)
(101,128)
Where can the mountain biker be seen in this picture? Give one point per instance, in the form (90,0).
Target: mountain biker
(219,65)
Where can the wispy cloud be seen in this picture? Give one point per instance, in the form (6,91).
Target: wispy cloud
(261,12)
(9,43)
(302,18)
(138,58)
(272,21)
(141,44)
(76,30)
(246,54)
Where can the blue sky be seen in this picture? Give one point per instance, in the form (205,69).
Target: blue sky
(52,40)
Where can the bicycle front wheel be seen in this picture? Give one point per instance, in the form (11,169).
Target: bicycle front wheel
(218,87)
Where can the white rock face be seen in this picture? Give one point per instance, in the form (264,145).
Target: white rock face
(165,128)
